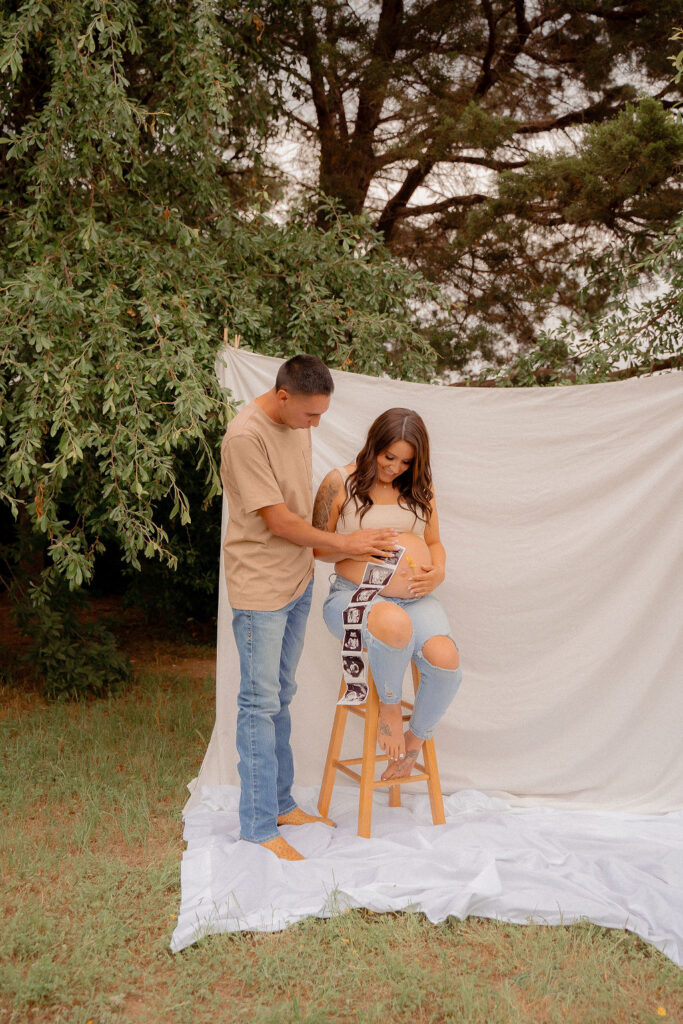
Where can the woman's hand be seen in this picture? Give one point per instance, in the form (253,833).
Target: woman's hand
(425,579)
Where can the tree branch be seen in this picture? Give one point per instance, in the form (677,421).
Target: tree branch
(600,111)
(390,213)
(616,15)
(373,86)
(546,373)
(335,90)
(486,78)
(399,154)
(492,73)
(490,162)
(444,204)
(311,51)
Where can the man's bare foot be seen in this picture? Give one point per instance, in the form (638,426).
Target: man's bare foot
(390,730)
(281,848)
(299,817)
(402,767)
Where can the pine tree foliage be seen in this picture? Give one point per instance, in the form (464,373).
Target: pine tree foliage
(638,330)
(500,146)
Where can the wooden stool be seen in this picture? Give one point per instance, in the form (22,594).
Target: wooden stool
(427,772)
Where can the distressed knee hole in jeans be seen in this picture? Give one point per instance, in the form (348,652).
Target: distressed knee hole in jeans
(444,651)
(374,641)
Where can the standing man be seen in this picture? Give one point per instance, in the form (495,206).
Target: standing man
(267,479)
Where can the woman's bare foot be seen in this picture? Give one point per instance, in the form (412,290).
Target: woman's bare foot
(402,767)
(390,730)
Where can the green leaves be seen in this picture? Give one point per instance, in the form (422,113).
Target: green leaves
(335,293)
(127,247)
(677,61)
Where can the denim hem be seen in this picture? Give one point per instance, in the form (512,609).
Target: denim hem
(290,808)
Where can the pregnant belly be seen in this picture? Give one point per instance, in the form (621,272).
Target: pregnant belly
(415,550)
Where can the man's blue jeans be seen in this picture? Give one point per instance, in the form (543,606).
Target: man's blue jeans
(269,645)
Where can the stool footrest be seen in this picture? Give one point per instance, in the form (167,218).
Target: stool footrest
(360,710)
(347,771)
(343,766)
(401,782)
(359,760)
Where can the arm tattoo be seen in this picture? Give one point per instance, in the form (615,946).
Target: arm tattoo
(324,500)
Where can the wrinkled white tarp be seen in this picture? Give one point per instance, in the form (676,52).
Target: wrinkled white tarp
(516,864)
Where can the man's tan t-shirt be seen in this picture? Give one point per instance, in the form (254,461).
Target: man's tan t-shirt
(264,463)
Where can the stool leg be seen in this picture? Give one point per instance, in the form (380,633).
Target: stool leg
(433,783)
(333,752)
(394,796)
(429,758)
(367,775)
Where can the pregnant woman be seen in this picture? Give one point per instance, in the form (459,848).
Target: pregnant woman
(390,485)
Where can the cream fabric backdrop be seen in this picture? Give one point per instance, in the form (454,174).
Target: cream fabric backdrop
(561,513)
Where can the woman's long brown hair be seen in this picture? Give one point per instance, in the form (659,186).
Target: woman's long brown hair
(414,484)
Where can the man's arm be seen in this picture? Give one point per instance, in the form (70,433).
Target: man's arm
(284,523)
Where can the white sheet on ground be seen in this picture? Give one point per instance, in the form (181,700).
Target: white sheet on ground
(516,864)
(561,510)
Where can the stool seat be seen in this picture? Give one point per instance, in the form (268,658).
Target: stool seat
(427,771)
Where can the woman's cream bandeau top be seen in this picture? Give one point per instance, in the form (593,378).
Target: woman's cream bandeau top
(378,517)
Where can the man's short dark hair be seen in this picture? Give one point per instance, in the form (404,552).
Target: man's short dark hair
(304,375)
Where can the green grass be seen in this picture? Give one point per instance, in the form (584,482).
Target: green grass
(90,850)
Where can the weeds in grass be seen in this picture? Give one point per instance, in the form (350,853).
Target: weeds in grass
(92,794)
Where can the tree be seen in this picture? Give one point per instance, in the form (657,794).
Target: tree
(632,334)
(131,236)
(500,146)
(639,330)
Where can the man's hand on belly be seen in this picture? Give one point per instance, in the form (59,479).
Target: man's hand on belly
(370,543)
